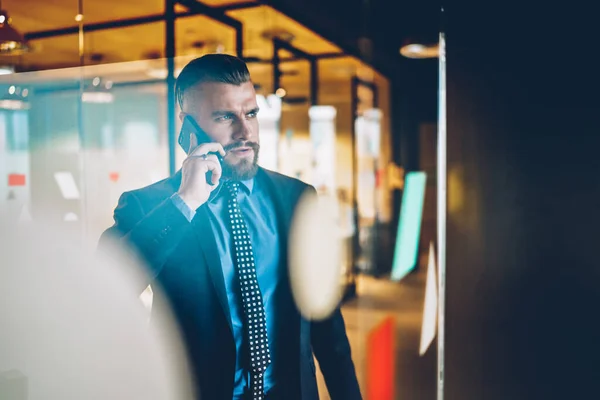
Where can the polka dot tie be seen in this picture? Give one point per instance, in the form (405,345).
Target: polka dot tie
(252,301)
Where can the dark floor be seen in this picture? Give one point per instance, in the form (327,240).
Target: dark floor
(378,299)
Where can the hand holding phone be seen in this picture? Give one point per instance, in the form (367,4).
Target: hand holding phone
(191,126)
(203,160)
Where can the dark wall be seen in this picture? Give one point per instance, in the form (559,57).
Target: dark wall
(523,270)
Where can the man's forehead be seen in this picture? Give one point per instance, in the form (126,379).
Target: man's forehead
(220,94)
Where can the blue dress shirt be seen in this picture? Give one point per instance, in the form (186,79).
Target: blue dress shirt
(260,217)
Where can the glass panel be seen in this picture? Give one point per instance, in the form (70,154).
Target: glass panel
(80,152)
(125,147)
(51,53)
(441,217)
(132,43)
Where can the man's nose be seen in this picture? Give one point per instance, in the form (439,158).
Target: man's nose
(243,131)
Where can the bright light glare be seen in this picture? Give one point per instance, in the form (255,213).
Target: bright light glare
(314,258)
(415,48)
(97,97)
(73,326)
(7,70)
(13,104)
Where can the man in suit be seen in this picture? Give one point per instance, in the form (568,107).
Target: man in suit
(214,237)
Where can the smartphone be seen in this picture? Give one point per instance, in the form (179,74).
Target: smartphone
(191,126)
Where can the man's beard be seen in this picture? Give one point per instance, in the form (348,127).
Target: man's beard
(245,169)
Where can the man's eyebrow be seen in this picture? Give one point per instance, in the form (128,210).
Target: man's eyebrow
(220,113)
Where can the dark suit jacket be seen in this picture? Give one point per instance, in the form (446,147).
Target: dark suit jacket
(183,259)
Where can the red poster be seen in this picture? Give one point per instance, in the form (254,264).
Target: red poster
(380,361)
(16,180)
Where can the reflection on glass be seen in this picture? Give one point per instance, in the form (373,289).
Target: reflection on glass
(122,144)
(409,226)
(441,204)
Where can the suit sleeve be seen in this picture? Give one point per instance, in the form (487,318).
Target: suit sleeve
(153,235)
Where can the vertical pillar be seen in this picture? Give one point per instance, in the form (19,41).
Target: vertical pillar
(170,55)
(239,42)
(314,81)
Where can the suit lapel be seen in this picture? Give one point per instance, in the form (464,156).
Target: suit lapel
(202,229)
(283,208)
(205,235)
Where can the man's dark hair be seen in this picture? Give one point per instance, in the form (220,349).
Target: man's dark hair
(220,68)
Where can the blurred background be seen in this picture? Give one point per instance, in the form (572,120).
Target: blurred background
(353,101)
(87,112)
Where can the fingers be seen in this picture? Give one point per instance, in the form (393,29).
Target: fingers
(208,148)
(210,163)
(216,175)
(214,167)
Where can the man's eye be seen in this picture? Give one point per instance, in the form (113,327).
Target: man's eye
(223,118)
(252,114)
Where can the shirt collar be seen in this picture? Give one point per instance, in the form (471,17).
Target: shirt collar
(247,186)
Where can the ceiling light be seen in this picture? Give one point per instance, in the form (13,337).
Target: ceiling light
(97,97)
(161,73)
(13,104)
(280,92)
(6,70)
(278,33)
(417,49)
(11,41)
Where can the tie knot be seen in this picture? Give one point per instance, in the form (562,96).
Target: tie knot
(233,188)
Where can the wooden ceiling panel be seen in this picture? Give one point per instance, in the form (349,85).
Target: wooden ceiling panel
(36,15)
(263,19)
(192,31)
(109,10)
(126,44)
(194,36)
(58,51)
(220,3)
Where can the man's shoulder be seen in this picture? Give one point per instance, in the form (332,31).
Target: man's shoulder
(155,192)
(284,182)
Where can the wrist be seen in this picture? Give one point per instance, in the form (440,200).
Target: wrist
(189,201)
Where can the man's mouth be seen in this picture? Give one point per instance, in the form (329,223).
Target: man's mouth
(240,151)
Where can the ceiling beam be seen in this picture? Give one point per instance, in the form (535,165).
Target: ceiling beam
(283,45)
(146,19)
(98,26)
(214,13)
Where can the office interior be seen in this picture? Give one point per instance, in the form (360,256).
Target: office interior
(87,112)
